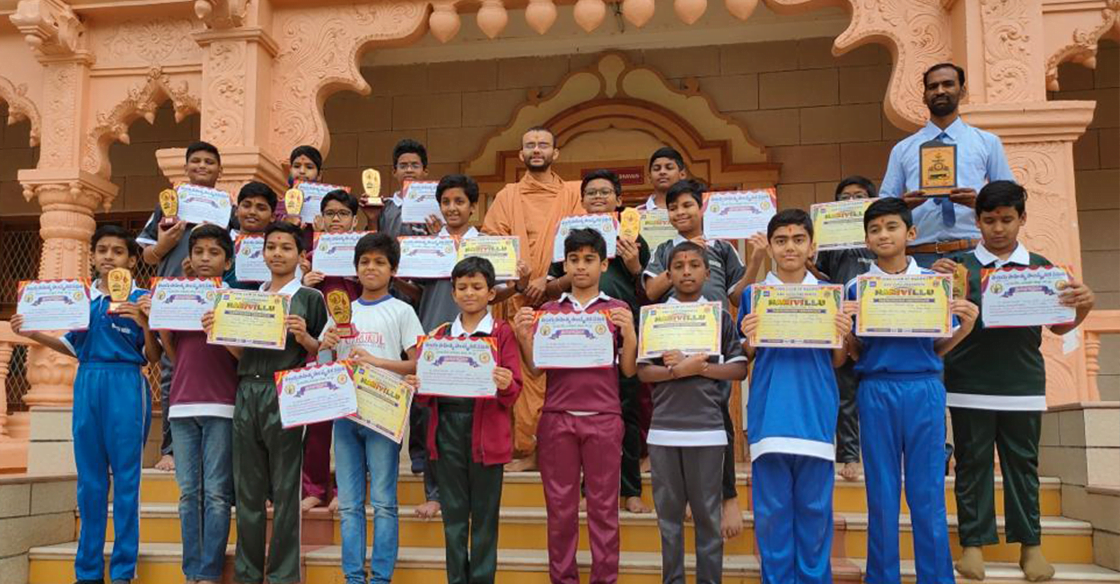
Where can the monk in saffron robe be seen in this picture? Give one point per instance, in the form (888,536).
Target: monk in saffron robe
(531,209)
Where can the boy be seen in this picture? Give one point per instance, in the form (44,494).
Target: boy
(901,401)
(666,168)
(386,328)
(997,393)
(410,163)
(687,439)
(841,266)
(256,205)
(112,410)
(581,425)
(602,193)
(305,163)
(726,280)
(266,457)
(469,440)
(791,421)
(203,393)
(165,247)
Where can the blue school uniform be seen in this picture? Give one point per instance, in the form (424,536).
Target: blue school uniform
(901,402)
(791,420)
(112,413)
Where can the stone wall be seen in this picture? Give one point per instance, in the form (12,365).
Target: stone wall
(34,511)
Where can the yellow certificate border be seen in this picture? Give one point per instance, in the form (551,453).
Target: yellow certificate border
(797,336)
(276,339)
(941,286)
(708,310)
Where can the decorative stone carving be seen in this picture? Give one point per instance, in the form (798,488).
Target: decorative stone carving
(1082,45)
(689,11)
(319,48)
(224,93)
(541,15)
(589,14)
(741,9)
(20,108)
(141,101)
(444,21)
(59,136)
(492,17)
(50,27)
(638,12)
(1007,51)
(221,14)
(155,42)
(919,33)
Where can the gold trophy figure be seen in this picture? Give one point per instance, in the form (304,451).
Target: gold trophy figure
(169,205)
(630,224)
(371,185)
(119,281)
(960,282)
(293,202)
(338,304)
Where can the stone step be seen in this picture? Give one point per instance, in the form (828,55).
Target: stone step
(523,489)
(1065,540)
(160,563)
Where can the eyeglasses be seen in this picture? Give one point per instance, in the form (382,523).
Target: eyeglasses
(410,166)
(600,193)
(338,214)
(851,196)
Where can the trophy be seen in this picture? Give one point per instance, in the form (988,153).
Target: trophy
(960,282)
(293,202)
(630,224)
(371,184)
(119,281)
(169,205)
(338,304)
(938,172)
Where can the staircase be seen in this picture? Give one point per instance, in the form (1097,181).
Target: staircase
(523,559)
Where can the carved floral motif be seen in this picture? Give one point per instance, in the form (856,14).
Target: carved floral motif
(221,14)
(1083,45)
(151,42)
(20,108)
(59,132)
(223,120)
(50,27)
(1007,51)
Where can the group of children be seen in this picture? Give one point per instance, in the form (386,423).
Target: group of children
(221,403)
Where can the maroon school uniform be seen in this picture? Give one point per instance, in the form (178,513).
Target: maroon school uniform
(205,379)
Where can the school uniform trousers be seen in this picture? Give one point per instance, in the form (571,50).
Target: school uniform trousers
(684,477)
(792,499)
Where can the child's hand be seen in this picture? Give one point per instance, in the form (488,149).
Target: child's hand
(523,271)
(691,366)
(524,321)
(145,304)
(434,224)
(502,378)
(330,339)
(628,251)
(133,312)
(294,220)
(297,327)
(944,266)
(319,224)
(672,358)
(208,322)
(699,240)
(188,269)
(843,323)
(850,307)
(965,311)
(749,325)
(535,290)
(757,243)
(312,279)
(1077,295)
(412,381)
(169,236)
(362,356)
(17,324)
(623,319)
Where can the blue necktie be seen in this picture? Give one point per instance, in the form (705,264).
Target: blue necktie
(948,213)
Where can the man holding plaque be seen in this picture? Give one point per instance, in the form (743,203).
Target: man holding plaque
(996,379)
(531,209)
(938,170)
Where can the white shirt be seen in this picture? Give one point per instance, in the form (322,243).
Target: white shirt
(385,327)
(1019,257)
(485,326)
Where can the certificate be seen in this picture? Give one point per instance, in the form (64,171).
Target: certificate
(315,394)
(313,194)
(248,263)
(795,315)
(605,224)
(54,305)
(419,202)
(247,318)
(503,253)
(656,228)
(904,306)
(204,205)
(179,303)
(456,367)
(573,340)
(688,327)
(739,214)
(427,257)
(334,253)
(383,401)
(1024,296)
(839,225)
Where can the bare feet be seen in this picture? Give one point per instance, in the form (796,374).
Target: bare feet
(428,510)
(1035,567)
(971,564)
(731,521)
(635,505)
(166,463)
(309,503)
(687,512)
(849,471)
(645,464)
(582,505)
(333,507)
(529,463)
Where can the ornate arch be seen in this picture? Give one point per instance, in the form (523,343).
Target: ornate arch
(141,101)
(20,108)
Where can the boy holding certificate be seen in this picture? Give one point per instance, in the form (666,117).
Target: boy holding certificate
(385,328)
(791,422)
(256,204)
(203,393)
(112,405)
(997,392)
(469,439)
(901,402)
(165,246)
(581,425)
(687,438)
(266,457)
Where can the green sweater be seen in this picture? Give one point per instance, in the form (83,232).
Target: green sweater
(305,302)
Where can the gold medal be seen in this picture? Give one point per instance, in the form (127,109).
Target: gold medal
(630,224)
(960,282)
(371,184)
(338,304)
(119,282)
(293,202)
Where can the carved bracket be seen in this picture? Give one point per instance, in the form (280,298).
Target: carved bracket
(1080,45)
(221,14)
(20,108)
(141,101)
(50,27)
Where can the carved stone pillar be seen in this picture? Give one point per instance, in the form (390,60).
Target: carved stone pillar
(1038,138)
